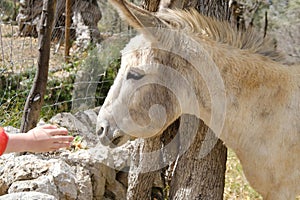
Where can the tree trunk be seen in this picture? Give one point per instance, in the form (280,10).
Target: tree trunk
(36,96)
(200,171)
(196,175)
(139,183)
(141,179)
(67,30)
(202,177)
(218,9)
(84,17)
(152,5)
(178,4)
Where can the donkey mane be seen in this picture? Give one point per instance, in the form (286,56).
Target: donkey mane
(222,32)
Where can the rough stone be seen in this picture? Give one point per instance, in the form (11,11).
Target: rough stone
(64,178)
(86,174)
(76,127)
(43,184)
(27,195)
(19,168)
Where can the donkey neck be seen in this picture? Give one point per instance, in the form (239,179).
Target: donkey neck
(245,80)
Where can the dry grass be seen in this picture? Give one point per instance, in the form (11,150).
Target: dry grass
(236,185)
(19,53)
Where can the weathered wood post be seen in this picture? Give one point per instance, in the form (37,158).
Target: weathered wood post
(67,30)
(35,98)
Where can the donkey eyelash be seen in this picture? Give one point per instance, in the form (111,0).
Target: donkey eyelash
(134,74)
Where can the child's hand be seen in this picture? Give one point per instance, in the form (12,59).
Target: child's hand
(47,138)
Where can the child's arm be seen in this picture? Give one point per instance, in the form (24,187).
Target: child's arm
(40,139)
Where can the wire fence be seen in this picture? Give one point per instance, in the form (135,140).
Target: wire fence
(80,84)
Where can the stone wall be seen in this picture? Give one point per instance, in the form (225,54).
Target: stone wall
(65,174)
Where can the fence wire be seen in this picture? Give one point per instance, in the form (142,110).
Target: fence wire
(80,84)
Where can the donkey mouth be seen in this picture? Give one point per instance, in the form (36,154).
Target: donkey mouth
(113,139)
(119,138)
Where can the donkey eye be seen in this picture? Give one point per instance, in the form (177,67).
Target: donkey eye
(134,74)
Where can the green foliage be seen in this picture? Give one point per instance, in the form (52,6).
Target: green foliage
(8,10)
(13,94)
(292,14)
(58,97)
(15,87)
(98,70)
(107,80)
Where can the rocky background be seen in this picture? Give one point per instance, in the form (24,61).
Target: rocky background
(63,174)
(78,173)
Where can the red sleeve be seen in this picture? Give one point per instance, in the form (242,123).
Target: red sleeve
(3,140)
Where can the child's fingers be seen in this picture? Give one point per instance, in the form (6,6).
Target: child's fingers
(58,139)
(48,126)
(56,146)
(59,131)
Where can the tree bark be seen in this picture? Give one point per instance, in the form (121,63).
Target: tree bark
(178,4)
(196,176)
(152,5)
(218,9)
(141,179)
(84,17)
(35,99)
(67,29)
(202,177)
(139,183)
(200,171)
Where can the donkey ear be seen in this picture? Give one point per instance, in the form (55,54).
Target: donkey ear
(137,17)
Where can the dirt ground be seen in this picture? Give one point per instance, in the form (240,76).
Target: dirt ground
(20,53)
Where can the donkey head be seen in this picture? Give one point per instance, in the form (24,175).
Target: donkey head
(149,92)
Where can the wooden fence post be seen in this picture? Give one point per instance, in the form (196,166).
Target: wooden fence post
(67,30)
(35,98)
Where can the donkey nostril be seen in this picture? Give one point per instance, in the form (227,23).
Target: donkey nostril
(103,128)
(100,131)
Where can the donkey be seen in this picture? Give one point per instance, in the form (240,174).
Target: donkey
(186,63)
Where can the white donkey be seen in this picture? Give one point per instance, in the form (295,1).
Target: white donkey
(190,64)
